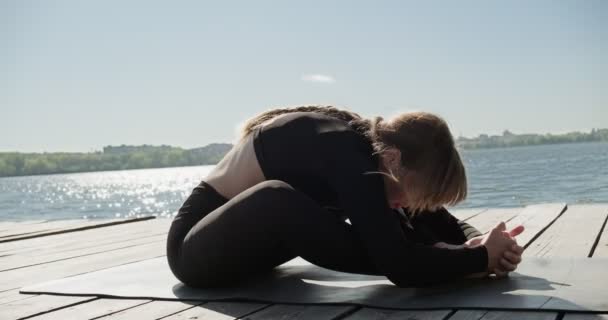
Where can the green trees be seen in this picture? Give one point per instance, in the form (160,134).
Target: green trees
(112,158)
(508,139)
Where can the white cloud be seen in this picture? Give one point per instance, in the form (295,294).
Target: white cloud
(321,78)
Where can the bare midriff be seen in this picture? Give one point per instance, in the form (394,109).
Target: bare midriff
(239,169)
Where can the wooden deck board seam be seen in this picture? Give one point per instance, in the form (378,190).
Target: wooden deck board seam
(62,231)
(450,314)
(15,235)
(56,309)
(121,310)
(348,312)
(252,312)
(599,236)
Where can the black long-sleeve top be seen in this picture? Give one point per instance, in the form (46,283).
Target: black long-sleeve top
(326,159)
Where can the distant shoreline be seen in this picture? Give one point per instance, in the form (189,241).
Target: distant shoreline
(112,158)
(509,139)
(469,148)
(115,158)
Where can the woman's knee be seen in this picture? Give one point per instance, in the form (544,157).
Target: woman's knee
(273,186)
(274,193)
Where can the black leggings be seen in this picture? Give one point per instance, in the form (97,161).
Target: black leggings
(217,242)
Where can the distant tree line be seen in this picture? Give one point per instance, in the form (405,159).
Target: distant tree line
(111,158)
(508,139)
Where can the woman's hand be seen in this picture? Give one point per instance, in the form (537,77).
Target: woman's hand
(511,258)
(511,255)
(509,261)
(504,254)
(473,242)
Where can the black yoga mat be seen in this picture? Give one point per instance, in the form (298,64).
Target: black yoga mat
(538,284)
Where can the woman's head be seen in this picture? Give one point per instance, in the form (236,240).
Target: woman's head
(424,169)
(421,166)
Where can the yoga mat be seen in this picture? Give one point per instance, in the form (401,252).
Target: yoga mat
(538,284)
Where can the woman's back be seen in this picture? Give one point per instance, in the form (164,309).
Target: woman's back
(293,147)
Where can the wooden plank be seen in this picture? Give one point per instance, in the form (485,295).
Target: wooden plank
(94,309)
(22,228)
(488,219)
(38,305)
(92,236)
(520,315)
(536,219)
(19,262)
(153,310)
(56,245)
(13,295)
(20,277)
(579,316)
(70,229)
(291,311)
(6,225)
(219,311)
(468,213)
(572,235)
(19,229)
(503,315)
(373,313)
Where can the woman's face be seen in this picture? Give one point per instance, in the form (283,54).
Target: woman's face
(399,194)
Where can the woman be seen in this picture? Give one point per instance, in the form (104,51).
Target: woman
(269,200)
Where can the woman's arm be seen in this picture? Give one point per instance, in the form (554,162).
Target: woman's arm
(468,230)
(439,226)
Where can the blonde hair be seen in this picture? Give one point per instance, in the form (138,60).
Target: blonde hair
(427,150)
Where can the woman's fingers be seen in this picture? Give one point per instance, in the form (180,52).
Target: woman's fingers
(516,231)
(500,273)
(501,226)
(506,265)
(517,249)
(512,257)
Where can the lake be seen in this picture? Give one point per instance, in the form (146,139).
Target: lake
(504,177)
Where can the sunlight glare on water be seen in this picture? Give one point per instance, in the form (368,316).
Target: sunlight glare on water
(109,194)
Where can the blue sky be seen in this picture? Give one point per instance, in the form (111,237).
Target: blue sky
(79,75)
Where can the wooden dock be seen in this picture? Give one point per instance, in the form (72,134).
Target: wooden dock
(37,251)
